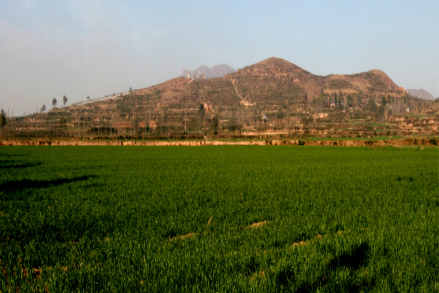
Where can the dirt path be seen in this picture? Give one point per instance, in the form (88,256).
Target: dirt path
(243,100)
(236,90)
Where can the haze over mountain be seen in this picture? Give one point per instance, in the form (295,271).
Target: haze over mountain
(214,72)
(421,93)
(221,70)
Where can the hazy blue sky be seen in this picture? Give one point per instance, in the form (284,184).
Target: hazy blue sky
(78,48)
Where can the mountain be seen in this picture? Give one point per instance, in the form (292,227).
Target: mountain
(214,72)
(278,80)
(371,82)
(273,94)
(421,93)
(274,81)
(221,70)
(270,84)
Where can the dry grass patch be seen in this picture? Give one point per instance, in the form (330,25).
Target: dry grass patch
(183,236)
(257,224)
(318,237)
(301,243)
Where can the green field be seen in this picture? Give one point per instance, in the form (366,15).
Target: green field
(219,219)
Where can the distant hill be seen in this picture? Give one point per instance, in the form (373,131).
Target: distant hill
(214,72)
(421,93)
(221,70)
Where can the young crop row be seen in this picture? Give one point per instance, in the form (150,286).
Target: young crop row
(261,218)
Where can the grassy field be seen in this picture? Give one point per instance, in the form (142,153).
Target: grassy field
(226,218)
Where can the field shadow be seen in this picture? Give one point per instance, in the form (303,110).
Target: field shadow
(62,229)
(19,166)
(16,155)
(405,178)
(14,186)
(81,168)
(352,260)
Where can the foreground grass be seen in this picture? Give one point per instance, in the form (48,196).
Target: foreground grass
(248,218)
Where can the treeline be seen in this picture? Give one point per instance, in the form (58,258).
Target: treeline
(142,117)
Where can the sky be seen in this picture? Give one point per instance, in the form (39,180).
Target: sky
(94,48)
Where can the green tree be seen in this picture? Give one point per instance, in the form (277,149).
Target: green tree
(135,124)
(381,112)
(350,101)
(64,100)
(2,118)
(371,106)
(215,124)
(54,102)
(234,125)
(43,108)
(201,113)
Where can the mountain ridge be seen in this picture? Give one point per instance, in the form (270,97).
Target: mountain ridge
(202,71)
(271,83)
(421,93)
